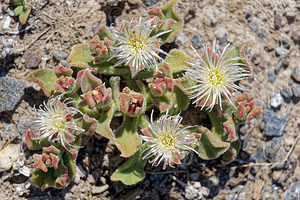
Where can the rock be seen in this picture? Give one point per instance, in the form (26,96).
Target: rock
(296,74)
(25,171)
(25,124)
(99,189)
(195,176)
(255,59)
(32,60)
(290,13)
(197,43)
(180,37)
(253,25)
(277,21)
(296,89)
(248,15)
(11,92)
(296,36)
(293,191)
(276,100)
(195,191)
(8,156)
(220,32)
(150,2)
(60,55)
(275,124)
(6,23)
(285,44)
(280,51)
(261,35)
(287,93)
(21,188)
(259,155)
(282,63)
(271,76)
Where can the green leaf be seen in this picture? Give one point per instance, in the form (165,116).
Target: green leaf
(179,102)
(169,11)
(46,78)
(102,32)
(230,155)
(209,147)
(80,54)
(127,139)
(18,10)
(103,126)
(24,15)
(132,171)
(177,60)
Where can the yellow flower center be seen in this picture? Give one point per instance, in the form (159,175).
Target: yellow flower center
(57,121)
(167,140)
(216,77)
(137,43)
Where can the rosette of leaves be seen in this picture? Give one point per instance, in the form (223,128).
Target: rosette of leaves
(22,11)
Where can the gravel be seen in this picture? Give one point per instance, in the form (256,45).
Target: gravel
(296,74)
(271,76)
(293,191)
(196,41)
(11,93)
(286,93)
(276,100)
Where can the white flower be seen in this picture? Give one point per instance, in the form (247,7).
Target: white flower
(55,121)
(215,75)
(135,47)
(167,140)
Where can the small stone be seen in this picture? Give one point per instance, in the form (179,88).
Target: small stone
(296,74)
(290,13)
(60,55)
(195,176)
(261,35)
(293,191)
(280,51)
(32,60)
(271,76)
(283,63)
(220,33)
(64,62)
(6,23)
(296,89)
(277,21)
(197,43)
(275,124)
(253,25)
(259,155)
(286,44)
(248,15)
(180,37)
(287,93)
(11,92)
(276,100)
(296,36)
(150,2)
(8,156)
(99,189)
(25,171)
(255,59)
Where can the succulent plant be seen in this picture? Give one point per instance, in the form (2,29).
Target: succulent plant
(83,102)
(22,11)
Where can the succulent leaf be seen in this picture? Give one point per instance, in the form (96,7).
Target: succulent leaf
(24,15)
(46,78)
(81,56)
(177,60)
(132,171)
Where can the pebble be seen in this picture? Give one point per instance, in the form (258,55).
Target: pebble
(285,44)
(99,189)
(287,93)
(290,13)
(221,32)
(196,41)
(195,176)
(6,23)
(8,156)
(282,63)
(150,2)
(11,92)
(271,76)
(296,89)
(280,51)
(293,191)
(261,34)
(296,74)
(275,124)
(60,55)
(255,59)
(253,25)
(180,37)
(277,21)
(276,100)
(296,36)
(32,60)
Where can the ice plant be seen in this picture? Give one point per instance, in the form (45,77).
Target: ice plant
(55,121)
(167,140)
(122,75)
(215,75)
(136,47)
